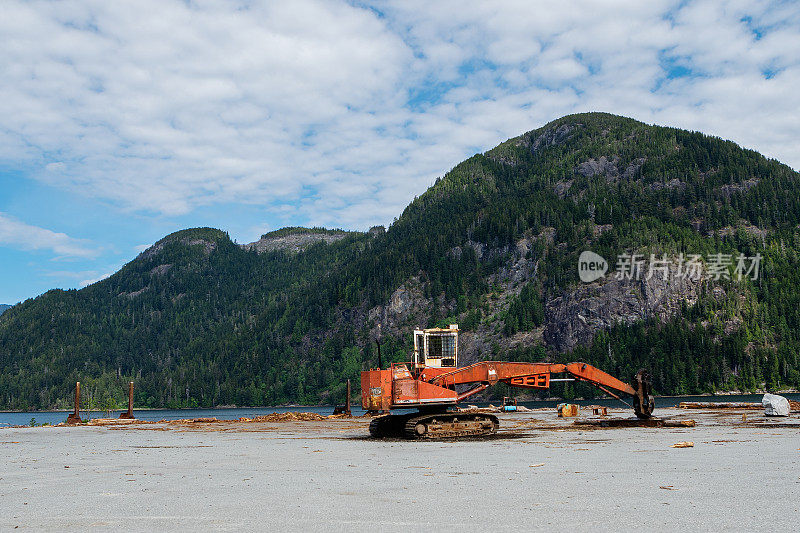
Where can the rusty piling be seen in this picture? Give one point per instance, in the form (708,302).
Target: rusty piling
(75,416)
(347,403)
(129,414)
(344,409)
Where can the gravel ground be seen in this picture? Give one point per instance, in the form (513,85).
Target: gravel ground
(540,472)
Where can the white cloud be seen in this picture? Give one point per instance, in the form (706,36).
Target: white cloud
(95,279)
(254,233)
(82,277)
(346,114)
(17,234)
(69,274)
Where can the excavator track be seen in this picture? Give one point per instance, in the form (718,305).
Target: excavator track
(450,425)
(388,426)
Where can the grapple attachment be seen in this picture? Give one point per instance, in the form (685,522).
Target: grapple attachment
(643,401)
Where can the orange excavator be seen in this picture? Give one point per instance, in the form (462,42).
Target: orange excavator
(429,388)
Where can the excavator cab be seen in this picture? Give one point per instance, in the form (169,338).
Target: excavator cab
(436,347)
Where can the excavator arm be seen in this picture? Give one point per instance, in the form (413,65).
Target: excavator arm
(539,376)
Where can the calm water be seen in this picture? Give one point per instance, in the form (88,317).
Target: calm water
(51,417)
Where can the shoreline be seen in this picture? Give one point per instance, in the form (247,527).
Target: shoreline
(325,406)
(123,409)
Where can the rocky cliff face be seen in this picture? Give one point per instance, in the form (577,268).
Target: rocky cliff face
(292,243)
(406,309)
(576,317)
(571,319)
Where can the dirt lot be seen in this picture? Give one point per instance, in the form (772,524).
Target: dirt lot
(539,472)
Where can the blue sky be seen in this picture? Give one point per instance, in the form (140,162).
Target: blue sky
(121,122)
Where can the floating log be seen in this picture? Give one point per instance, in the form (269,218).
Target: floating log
(720,405)
(113,421)
(679,423)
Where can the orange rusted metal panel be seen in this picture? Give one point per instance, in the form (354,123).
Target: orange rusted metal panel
(413,393)
(400,371)
(405,391)
(435,392)
(376,390)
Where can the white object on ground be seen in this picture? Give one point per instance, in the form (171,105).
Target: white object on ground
(775,405)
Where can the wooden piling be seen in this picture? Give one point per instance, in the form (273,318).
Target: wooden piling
(347,403)
(75,417)
(129,414)
(344,409)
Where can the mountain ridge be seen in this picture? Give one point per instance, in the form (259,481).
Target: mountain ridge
(493,245)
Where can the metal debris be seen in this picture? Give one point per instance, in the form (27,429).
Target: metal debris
(568,409)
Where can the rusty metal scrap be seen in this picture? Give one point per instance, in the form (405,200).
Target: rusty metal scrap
(568,409)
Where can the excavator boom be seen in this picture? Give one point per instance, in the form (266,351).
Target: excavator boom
(530,375)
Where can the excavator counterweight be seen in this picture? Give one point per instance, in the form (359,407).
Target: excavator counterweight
(433,384)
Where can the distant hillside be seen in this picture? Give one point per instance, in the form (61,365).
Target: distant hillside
(3,308)
(492,246)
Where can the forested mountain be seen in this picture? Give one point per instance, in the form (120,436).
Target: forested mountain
(3,308)
(493,246)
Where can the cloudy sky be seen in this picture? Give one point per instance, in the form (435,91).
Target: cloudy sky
(123,121)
